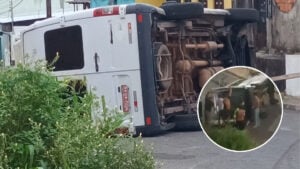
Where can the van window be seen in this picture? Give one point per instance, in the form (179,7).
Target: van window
(67,44)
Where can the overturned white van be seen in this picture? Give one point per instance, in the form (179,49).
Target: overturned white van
(149,62)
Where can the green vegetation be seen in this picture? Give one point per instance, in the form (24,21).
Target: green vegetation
(44,126)
(231,138)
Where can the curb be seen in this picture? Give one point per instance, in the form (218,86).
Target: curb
(291,107)
(291,102)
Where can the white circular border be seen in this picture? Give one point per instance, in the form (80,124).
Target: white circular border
(241,151)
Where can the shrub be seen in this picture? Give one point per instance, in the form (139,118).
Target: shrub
(30,105)
(39,128)
(80,144)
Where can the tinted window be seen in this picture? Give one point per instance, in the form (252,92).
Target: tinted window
(68,43)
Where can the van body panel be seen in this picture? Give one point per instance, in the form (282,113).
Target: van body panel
(147,63)
(109,43)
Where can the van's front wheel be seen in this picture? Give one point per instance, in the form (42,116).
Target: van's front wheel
(242,15)
(187,122)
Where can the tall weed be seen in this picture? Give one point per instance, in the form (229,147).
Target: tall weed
(44,124)
(231,138)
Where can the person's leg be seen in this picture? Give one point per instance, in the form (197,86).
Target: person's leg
(257,119)
(240,125)
(271,92)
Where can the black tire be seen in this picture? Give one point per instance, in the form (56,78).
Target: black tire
(248,15)
(176,10)
(187,122)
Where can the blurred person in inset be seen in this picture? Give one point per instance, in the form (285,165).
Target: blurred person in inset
(209,106)
(227,111)
(271,92)
(239,115)
(256,104)
(220,106)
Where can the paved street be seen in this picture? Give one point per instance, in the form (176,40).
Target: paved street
(192,150)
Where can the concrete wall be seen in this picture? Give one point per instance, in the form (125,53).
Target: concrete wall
(272,65)
(283,29)
(292,66)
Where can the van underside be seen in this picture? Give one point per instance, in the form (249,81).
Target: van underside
(189,49)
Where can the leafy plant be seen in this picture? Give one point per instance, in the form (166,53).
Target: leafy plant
(95,145)
(46,123)
(30,105)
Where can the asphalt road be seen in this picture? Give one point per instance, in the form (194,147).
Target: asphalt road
(192,150)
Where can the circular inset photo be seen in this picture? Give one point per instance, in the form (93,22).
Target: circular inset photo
(240,108)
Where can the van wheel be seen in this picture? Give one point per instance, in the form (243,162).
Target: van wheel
(187,122)
(176,10)
(163,66)
(242,15)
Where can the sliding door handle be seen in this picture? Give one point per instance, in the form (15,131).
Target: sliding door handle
(96,59)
